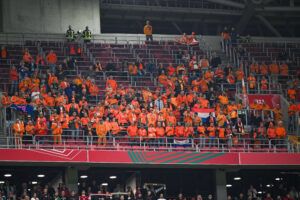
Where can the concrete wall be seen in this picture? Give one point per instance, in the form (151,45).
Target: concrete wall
(50,16)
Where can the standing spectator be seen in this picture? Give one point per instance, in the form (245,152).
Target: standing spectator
(133,70)
(51,60)
(241,197)
(252,192)
(148,31)
(215,61)
(86,34)
(14,76)
(141,67)
(233,37)
(226,36)
(3,55)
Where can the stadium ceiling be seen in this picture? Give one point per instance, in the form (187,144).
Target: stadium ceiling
(255,17)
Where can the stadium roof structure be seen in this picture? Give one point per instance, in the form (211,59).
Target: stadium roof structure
(254,17)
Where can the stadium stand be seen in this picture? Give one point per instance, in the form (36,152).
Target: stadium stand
(182,99)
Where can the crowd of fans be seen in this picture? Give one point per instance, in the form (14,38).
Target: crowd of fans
(78,107)
(85,190)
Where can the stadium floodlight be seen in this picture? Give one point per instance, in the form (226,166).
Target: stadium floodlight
(41,175)
(83,176)
(228,185)
(113,177)
(259,192)
(104,184)
(268,185)
(278,179)
(34,182)
(2,182)
(7,175)
(237,178)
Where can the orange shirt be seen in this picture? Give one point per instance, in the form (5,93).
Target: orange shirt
(3,54)
(51,58)
(19,128)
(151,132)
(271,132)
(170,130)
(132,130)
(264,69)
(113,84)
(30,129)
(212,131)
(101,130)
(292,93)
(84,121)
(280,132)
(5,101)
(284,70)
(201,131)
(115,128)
(142,132)
(160,132)
(148,30)
(94,90)
(189,131)
(133,69)
(49,101)
(180,131)
(221,132)
(254,68)
(56,128)
(274,68)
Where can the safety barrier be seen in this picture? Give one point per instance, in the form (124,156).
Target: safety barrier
(190,144)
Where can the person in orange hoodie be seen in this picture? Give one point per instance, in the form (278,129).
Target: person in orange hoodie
(101,132)
(56,131)
(18,131)
(51,60)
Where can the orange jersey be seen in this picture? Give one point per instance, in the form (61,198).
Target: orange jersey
(148,30)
